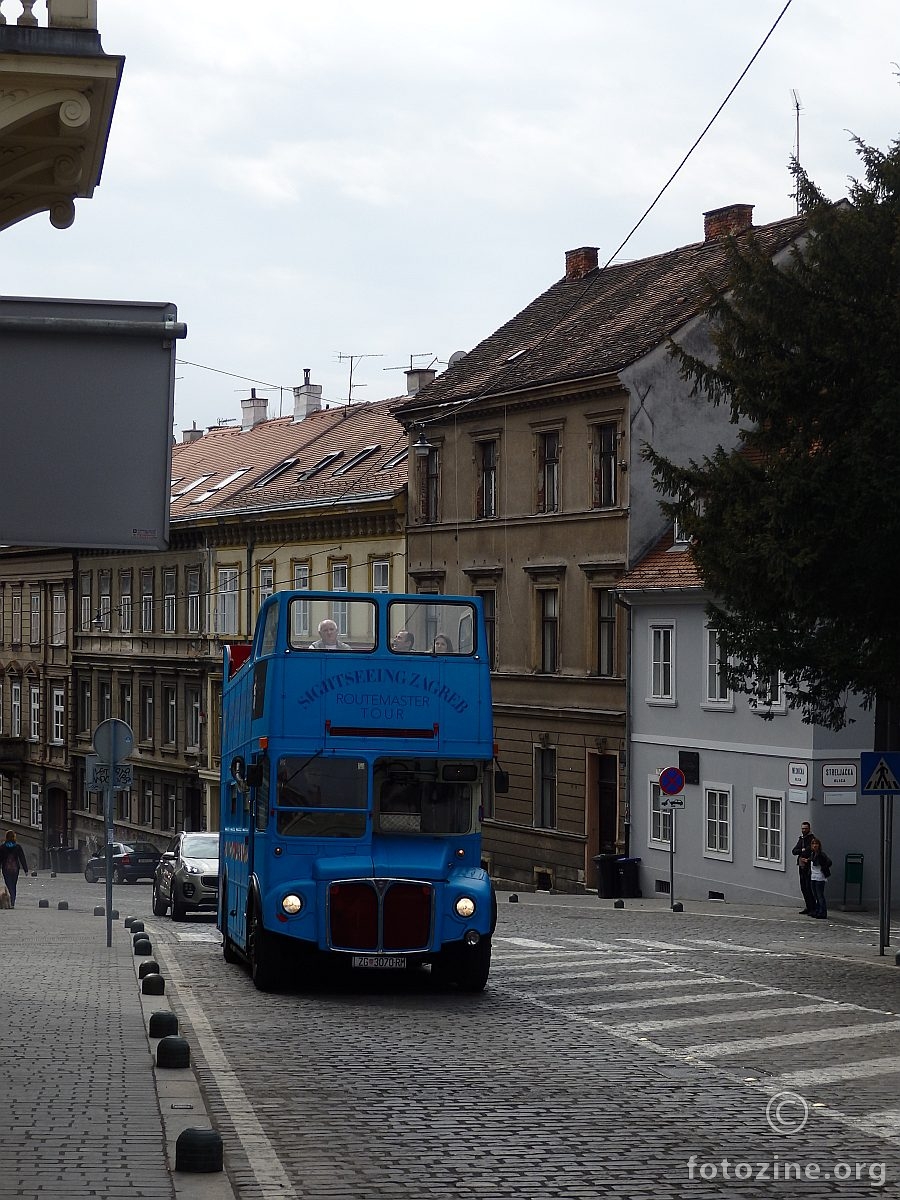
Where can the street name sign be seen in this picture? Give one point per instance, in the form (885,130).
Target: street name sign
(880,772)
(840,775)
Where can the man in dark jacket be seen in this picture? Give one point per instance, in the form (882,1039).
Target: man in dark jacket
(801,850)
(12,860)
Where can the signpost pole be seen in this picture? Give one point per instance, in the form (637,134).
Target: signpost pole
(672,858)
(108,811)
(888,856)
(113,741)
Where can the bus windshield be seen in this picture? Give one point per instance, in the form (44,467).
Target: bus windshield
(424,796)
(321,797)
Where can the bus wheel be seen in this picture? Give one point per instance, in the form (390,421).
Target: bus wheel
(473,966)
(229,950)
(260,951)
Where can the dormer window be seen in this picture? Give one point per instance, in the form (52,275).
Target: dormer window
(319,466)
(357,458)
(274,472)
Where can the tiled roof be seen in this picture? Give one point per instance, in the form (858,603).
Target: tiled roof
(668,566)
(596,325)
(327,458)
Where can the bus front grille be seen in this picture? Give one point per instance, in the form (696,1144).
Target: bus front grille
(380,915)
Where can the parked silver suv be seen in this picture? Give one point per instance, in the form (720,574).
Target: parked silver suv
(187,876)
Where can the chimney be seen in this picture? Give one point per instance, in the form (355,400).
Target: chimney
(580,262)
(191,435)
(417,378)
(255,409)
(727,222)
(308,398)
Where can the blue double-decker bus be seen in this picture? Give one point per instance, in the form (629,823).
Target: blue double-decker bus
(357,758)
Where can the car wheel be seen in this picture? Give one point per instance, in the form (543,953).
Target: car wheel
(89,875)
(178,909)
(260,951)
(159,905)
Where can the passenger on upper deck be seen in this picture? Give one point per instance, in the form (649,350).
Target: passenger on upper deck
(328,638)
(403,641)
(442,644)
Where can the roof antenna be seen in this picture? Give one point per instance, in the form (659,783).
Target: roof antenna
(353,360)
(797,108)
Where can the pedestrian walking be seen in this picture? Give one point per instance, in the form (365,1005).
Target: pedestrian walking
(12,860)
(801,852)
(819,870)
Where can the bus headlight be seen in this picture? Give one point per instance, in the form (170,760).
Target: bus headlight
(292,903)
(465,907)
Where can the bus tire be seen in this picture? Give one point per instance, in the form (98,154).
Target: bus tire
(473,965)
(260,952)
(229,950)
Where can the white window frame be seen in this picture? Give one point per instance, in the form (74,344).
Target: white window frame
(713,684)
(226,601)
(769,797)
(170,810)
(34,713)
(718,791)
(193,704)
(16,638)
(266,582)
(1,725)
(34,619)
(15,709)
(193,600)
(147,804)
(58,620)
(764,704)
(170,703)
(300,611)
(58,706)
(661,663)
(381,575)
(147,586)
(16,800)
(340,582)
(37,807)
(125,601)
(170,588)
(660,826)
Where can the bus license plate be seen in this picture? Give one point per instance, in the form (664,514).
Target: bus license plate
(384,962)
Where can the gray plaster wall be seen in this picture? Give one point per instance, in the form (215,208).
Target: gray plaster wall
(742,754)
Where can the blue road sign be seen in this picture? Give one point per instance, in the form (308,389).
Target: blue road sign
(671,780)
(879,772)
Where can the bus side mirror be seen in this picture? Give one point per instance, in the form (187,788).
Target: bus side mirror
(501,782)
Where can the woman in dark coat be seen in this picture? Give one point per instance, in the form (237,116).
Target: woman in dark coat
(12,860)
(819,870)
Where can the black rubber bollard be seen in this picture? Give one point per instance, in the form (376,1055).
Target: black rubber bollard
(163,1024)
(677,906)
(63,904)
(514,899)
(137,926)
(128,921)
(150,967)
(52,874)
(43,903)
(173,1051)
(618,904)
(199,1150)
(99,910)
(114,914)
(139,936)
(142,948)
(153,984)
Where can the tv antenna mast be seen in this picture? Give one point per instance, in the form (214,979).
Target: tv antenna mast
(353,359)
(798,108)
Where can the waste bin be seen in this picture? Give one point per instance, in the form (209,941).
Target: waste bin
(629,879)
(607,876)
(853,879)
(54,858)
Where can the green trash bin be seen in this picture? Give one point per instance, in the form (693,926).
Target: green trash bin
(853,880)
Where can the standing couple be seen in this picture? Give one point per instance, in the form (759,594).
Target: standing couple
(815,867)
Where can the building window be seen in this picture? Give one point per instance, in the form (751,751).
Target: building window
(123,806)
(430,486)
(104,612)
(34,713)
(769,830)
(58,702)
(604,443)
(381,575)
(170,705)
(58,621)
(192,698)
(662,669)
(545,787)
(548,471)
(660,819)
(718,822)
(227,600)
(125,708)
(84,705)
(169,601)
(300,612)
(15,709)
(548,613)
(125,602)
(146,601)
(147,805)
(769,695)
(16,800)
(87,615)
(146,712)
(340,574)
(1,728)
(34,626)
(266,582)
(169,814)
(193,600)
(16,618)
(605,603)
(717,690)
(105,699)
(486,476)
(37,808)
(2,615)
(489,605)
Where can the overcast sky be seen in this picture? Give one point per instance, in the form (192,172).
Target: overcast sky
(314,180)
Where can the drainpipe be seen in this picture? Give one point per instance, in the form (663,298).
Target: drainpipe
(249,586)
(628,691)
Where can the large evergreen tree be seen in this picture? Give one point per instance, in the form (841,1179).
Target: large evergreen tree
(797,532)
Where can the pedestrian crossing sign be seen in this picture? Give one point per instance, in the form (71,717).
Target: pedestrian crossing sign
(880,772)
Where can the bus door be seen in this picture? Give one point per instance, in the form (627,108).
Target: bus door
(248,795)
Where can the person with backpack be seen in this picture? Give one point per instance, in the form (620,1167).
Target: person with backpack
(12,860)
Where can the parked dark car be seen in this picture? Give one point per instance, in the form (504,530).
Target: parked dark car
(130,862)
(187,876)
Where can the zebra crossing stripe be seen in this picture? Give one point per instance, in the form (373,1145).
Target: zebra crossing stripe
(671,1001)
(864,1069)
(661,979)
(885,1122)
(724,1018)
(843,1033)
